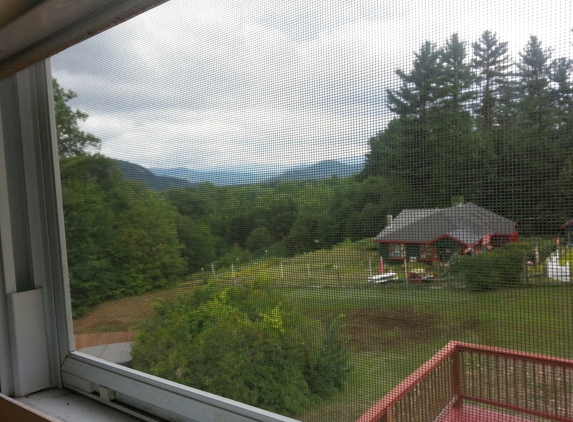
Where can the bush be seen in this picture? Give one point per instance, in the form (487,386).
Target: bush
(367,244)
(328,372)
(526,247)
(237,256)
(491,270)
(566,257)
(246,344)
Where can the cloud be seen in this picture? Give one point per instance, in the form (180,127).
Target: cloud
(212,83)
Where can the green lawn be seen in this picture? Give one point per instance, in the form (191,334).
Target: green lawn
(394,330)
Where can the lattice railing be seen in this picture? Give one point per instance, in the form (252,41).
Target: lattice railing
(526,383)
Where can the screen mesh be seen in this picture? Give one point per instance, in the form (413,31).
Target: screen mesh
(297,204)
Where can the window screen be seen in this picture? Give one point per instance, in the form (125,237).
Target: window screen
(296,204)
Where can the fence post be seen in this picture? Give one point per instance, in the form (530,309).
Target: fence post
(456,378)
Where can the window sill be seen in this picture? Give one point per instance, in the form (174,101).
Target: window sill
(65,405)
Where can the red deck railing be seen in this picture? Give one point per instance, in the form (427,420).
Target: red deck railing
(530,384)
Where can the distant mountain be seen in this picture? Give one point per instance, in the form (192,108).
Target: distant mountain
(138,173)
(221,177)
(265,173)
(321,170)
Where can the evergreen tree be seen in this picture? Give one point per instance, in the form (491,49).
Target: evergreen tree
(402,151)
(456,76)
(494,114)
(456,170)
(538,154)
(492,63)
(561,99)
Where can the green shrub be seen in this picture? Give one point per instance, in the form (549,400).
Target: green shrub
(566,257)
(246,344)
(491,270)
(236,256)
(526,247)
(367,244)
(328,372)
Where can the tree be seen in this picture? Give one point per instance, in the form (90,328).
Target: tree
(430,146)
(71,139)
(194,226)
(456,167)
(456,77)
(492,63)
(148,254)
(90,235)
(401,151)
(534,74)
(247,344)
(122,237)
(538,153)
(561,99)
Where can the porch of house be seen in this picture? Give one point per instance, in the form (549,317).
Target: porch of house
(471,383)
(469,413)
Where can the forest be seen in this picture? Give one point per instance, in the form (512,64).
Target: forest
(468,123)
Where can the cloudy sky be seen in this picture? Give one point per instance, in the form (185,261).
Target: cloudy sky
(212,83)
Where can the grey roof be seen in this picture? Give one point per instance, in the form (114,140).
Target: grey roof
(467,223)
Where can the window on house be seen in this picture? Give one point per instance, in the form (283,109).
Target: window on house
(426,252)
(398,250)
(227,165)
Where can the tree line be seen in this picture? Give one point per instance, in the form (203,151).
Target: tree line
(484,127)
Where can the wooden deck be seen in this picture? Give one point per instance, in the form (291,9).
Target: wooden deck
(468,413)
(454,383)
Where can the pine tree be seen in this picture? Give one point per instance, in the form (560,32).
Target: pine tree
(495,115)
(492,63)
(401,150)
(538,154)
(456,170)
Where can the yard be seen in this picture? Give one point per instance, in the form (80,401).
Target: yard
(393,328)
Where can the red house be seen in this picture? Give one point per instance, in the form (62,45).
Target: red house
(435,234)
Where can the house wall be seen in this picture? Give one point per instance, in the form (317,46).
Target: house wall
(568,235)
(413,250)
(445,248)
(384,251)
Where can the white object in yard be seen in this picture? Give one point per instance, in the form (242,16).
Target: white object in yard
(556,271)
(382,278)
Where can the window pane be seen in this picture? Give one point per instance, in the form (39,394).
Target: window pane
(296,204)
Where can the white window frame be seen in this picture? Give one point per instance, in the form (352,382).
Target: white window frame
(35,310)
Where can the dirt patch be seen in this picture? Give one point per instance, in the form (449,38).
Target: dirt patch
(97,339)
(372,328)
(125,314)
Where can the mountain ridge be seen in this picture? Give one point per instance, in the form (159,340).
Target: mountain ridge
(231,176)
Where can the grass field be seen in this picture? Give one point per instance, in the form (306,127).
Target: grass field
(391,329)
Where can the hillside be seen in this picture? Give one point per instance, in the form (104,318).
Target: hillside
(218,176)
(251,174)
(320,170)
(138,173)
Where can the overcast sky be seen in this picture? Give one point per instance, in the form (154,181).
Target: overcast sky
(227,82)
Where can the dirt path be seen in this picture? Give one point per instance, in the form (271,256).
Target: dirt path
(127,314)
